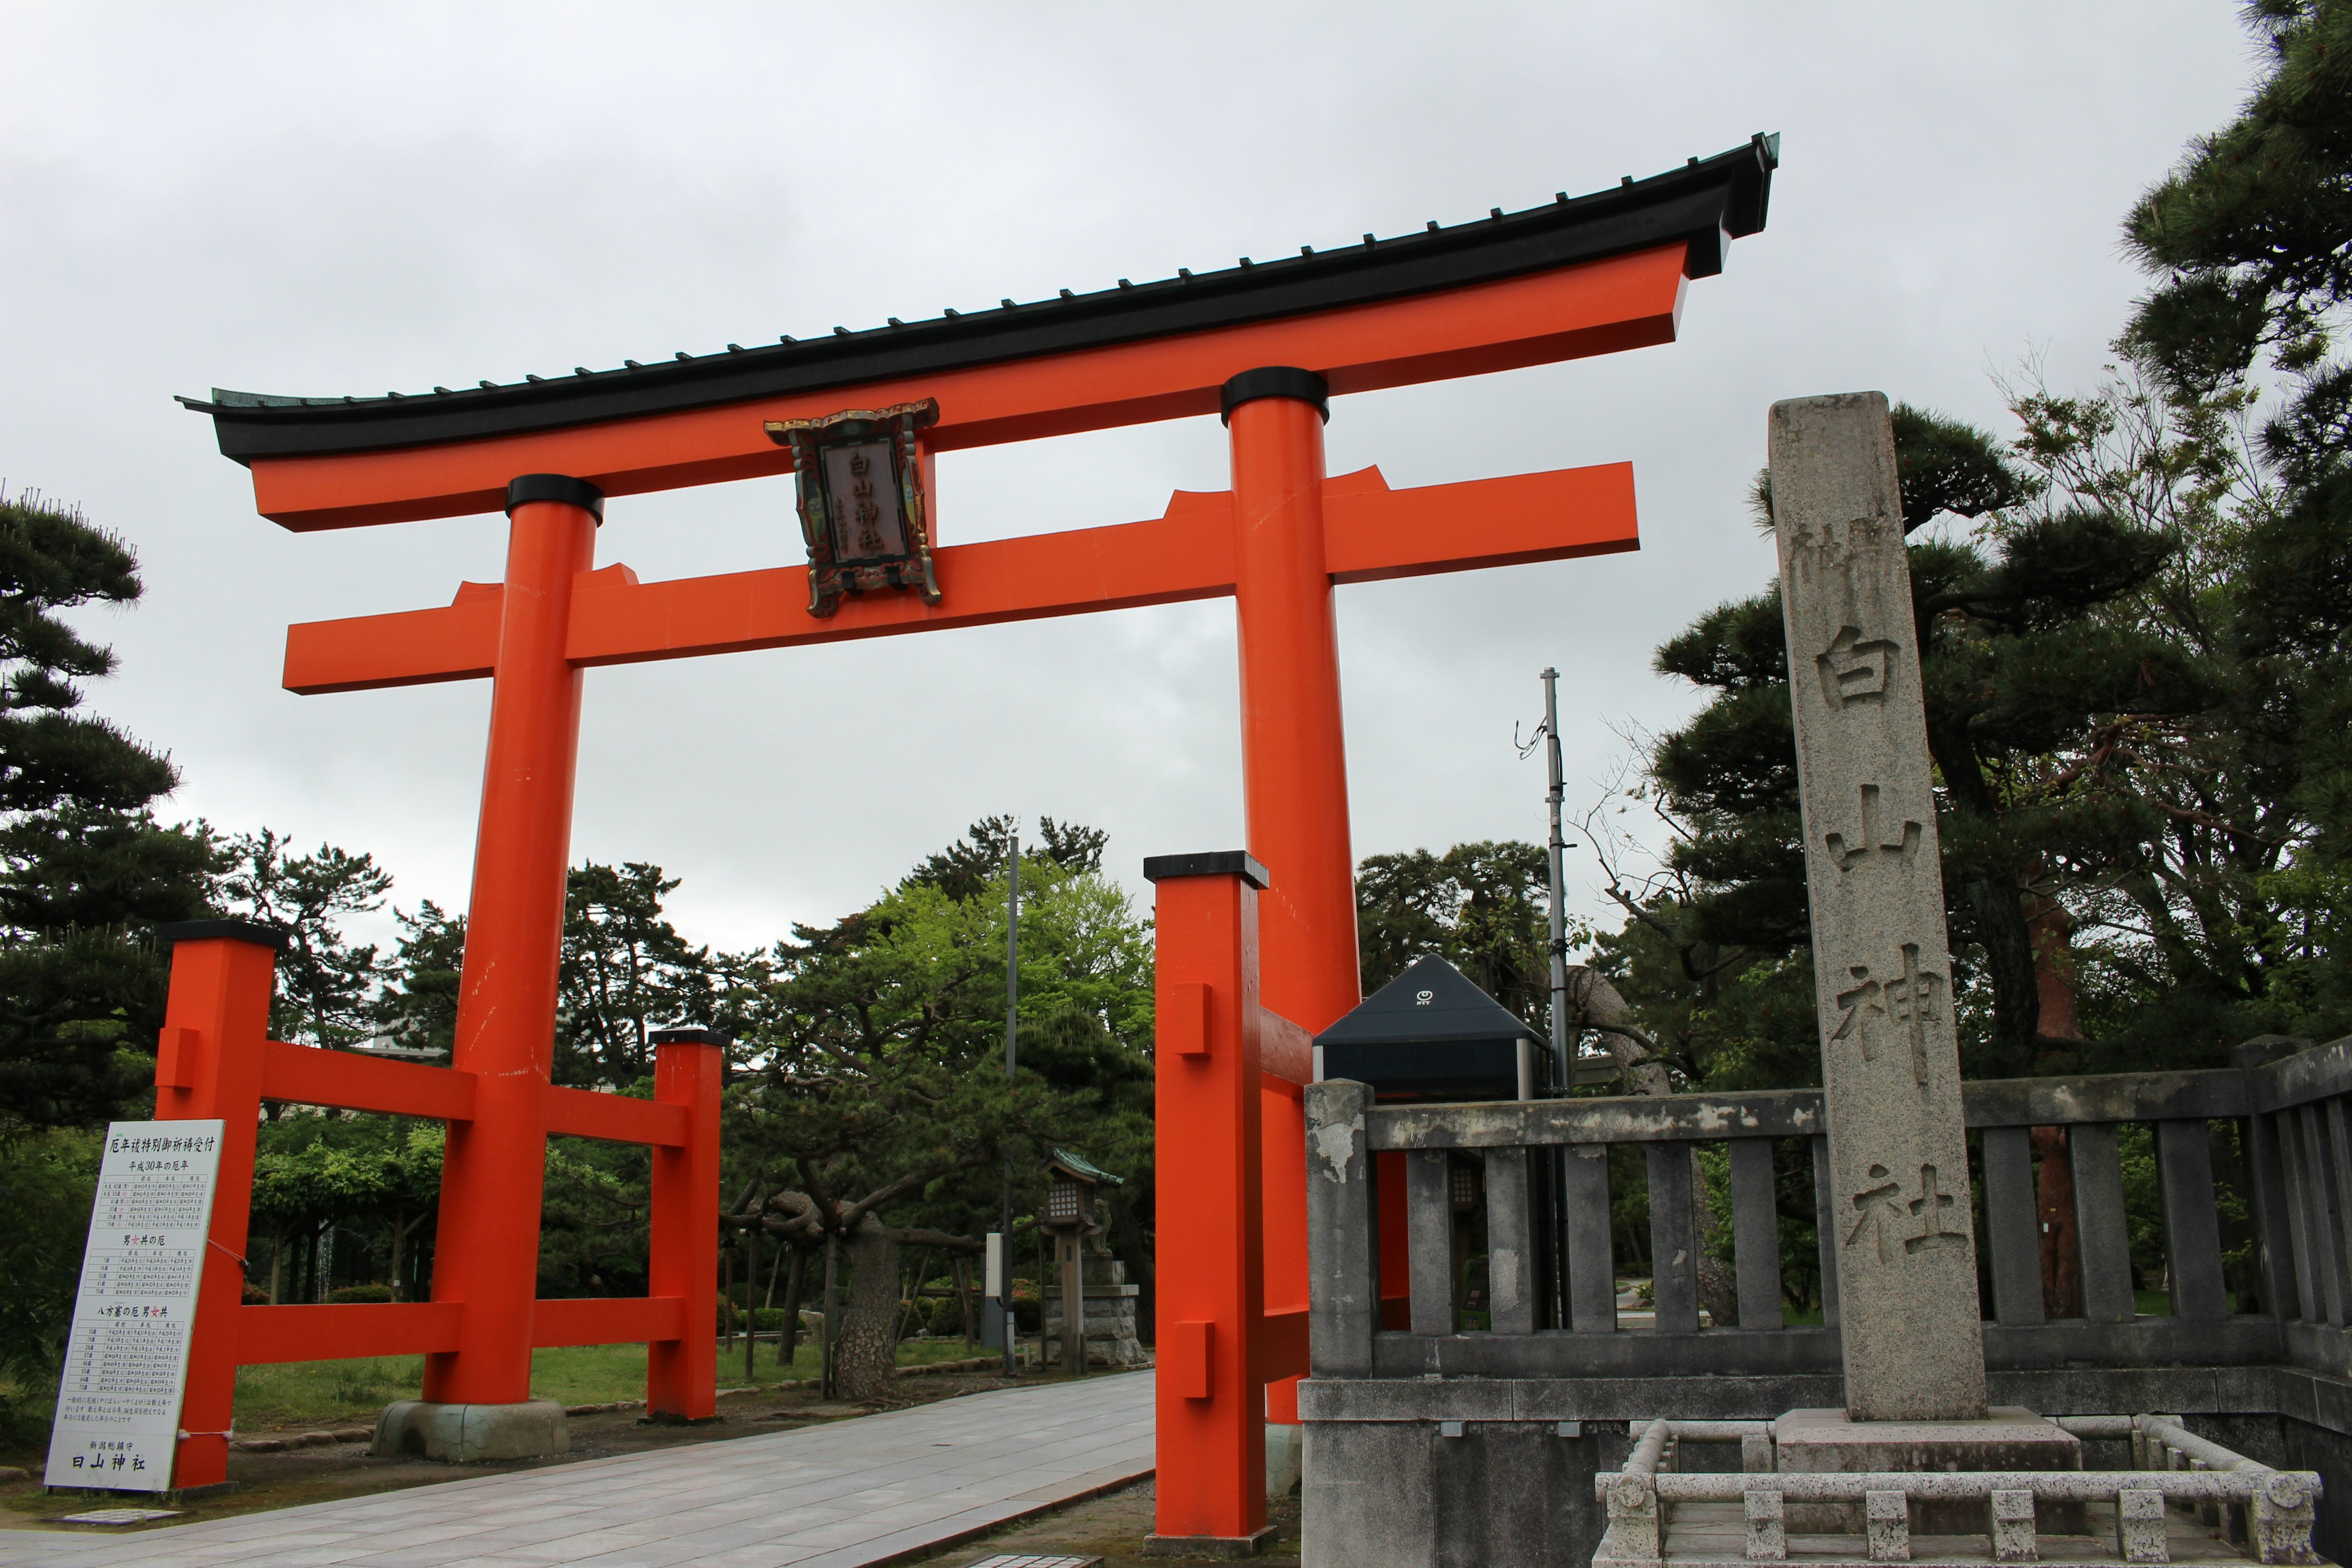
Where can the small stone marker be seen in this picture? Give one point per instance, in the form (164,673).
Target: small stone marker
(1890,1057)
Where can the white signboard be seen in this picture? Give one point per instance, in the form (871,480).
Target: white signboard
(118,1417)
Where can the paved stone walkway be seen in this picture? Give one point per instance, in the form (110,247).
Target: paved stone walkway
(848,1493)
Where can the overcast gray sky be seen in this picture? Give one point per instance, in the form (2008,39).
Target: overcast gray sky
(330,199)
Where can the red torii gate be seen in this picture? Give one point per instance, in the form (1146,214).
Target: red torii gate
(1264,344)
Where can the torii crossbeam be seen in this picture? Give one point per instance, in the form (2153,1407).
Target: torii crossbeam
(1266,345)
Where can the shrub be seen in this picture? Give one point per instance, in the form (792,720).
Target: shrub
(47,1182)
(350,1293)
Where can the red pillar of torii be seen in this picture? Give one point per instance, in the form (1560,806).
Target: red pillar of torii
(1266,345)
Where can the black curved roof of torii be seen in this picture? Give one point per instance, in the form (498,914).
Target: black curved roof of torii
(1704,203)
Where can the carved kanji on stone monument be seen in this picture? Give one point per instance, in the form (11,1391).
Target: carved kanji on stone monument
(1906,1256)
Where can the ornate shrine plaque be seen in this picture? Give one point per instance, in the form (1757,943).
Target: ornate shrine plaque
(118,1417)
(862,504)
(1905,1250)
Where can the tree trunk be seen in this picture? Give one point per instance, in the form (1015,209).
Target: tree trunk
(2061,1249)
(399,1235)
(1596,1005)
(2052,930)
(1718,1280)
(830,1344)
(864,1352)
(914,1297)
(789,1349)
(964,1300)
(276,1261)
(775,1268)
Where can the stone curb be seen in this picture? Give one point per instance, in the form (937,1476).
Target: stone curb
(304,1440)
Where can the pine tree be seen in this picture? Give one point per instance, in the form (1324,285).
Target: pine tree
(2020,668)
(2251,241)
(85,870)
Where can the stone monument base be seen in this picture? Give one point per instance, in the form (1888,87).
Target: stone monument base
(465,1434)
(1213,1546)
(2007,1439)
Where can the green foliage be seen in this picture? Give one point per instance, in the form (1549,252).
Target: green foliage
(878,1046)
(85,871)
(1481,907)
(2084,720)
(418,1005)
(47,1182)
(324,983)
(626,972)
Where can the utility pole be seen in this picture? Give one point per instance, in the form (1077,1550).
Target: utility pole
(1012,1060)
(1563,1064)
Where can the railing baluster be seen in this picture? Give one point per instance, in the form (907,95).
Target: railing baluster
(1510,1245)
(1674,1247)
(1343,1291)
(1825,1230)
(2274,1221)
(2295,1164)
(1592,1263)
(1756,1234)
(1429,1228)
(2101,1222)
(2193,1235)
(2012,1223)
(2332,1121)
(2326,1209)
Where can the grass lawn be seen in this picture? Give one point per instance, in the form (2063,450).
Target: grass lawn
(319,1393)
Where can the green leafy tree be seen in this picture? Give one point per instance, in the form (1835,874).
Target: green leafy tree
(626,972)
(2025,668)
(418,1004)
(326,984)
(875,1111)
(48,1180)
(375,1180)
(1484,907)
(85,871)
(2247,240)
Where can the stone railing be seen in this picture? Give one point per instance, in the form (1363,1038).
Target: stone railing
(1505,1169)
(2180,1487)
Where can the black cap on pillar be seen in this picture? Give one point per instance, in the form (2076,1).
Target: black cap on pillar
(525,487)
(1277,381)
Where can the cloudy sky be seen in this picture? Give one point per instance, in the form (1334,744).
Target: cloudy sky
(330,199)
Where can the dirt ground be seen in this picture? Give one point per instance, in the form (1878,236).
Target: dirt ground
(257,1481)
(1112,1526)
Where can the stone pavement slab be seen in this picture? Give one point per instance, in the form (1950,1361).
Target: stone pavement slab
(843,1495)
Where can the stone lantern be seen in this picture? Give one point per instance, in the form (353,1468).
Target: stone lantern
(1097,1306)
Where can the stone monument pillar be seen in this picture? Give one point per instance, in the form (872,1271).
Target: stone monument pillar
(1881,963)
(1912,1325)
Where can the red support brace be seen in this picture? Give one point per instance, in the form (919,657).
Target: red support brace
(215,1027)
(1211,1396)
(682,1374)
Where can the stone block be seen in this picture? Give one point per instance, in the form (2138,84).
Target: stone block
(2008,1438)
(470,1434)
(1282,1455)
(1768,1534)
(2012,1527)
(1888,1522)
(2139,1526)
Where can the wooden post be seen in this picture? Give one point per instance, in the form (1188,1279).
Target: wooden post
(1074,1305)
(682,1375)
(495,1164)
(207,1065)
(1211,1396)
